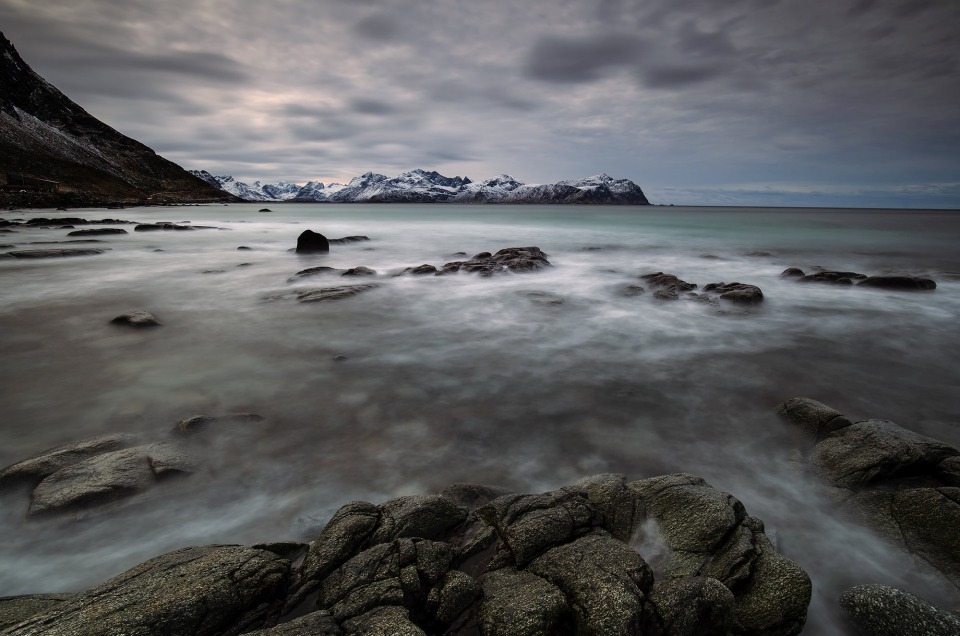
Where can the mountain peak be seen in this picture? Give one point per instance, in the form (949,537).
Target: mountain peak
(423,186)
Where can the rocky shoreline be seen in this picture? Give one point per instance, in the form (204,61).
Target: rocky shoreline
(667,555)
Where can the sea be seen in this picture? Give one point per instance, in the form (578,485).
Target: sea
(528,381)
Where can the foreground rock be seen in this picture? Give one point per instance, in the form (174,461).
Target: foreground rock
(32,470)
(473,560)
(879,610)
(14,609)
(109,476)
(137,318)
(904,485)
(310,242)
(200,591)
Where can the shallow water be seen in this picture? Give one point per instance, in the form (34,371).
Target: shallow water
(461,378)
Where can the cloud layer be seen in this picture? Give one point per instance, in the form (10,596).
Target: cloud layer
(693,99)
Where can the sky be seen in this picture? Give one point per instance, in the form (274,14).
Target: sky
(700,102)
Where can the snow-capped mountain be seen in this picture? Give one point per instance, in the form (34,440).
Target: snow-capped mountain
(422,186)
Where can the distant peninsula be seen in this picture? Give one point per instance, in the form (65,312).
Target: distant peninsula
(422,186)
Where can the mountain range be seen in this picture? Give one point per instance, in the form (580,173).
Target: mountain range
(422,186)
(45,137)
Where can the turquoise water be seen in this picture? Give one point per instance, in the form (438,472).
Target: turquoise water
(459,378)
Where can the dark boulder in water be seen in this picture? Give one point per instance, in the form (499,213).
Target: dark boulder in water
(667,282)
(908,283)
(792,272)
(880,610)
(834,278)
(55,253)
(312,271)
(421,270)
(97,231)
(359,271)
(310,242)
(739,293)
(138,318)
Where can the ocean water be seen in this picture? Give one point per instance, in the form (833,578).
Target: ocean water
(466,379)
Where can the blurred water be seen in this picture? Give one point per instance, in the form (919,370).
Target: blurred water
(460,378)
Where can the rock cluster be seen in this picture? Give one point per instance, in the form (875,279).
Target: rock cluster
(670,287)
(471,560)
(906,283)
(509,259)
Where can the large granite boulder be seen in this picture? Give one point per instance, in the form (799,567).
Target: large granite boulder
(904,485)
(199,591)
(16,609)
(473,560)
(879,610)
(109,476)
(310,242)
(32,470)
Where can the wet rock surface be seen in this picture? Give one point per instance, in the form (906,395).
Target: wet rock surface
(15,609)
(362,270)
(470,561)
(97,231)
(137,318)
(199,591)
(109,476)
(346,240)
(201,423)
(879,610)
(55,253)
(904,485)
(334,293)
(739,293)
(33,469)
(509,259)
(891,282)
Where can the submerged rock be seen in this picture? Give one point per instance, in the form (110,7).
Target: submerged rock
(907,283)
(154,227)
(97,231)
(421,270)
(54,253)
(311,271)
(667,282)
(359,271)
(310,242)
(137,318)
(199,423)
(334,293)
(792,272)
(739,293)
(348,239)
(834,278)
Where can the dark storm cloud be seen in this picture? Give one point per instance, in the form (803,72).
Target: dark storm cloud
(377,27)
(583,59)
(372,107)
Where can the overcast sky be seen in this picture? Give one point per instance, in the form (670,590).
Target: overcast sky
(757,102)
